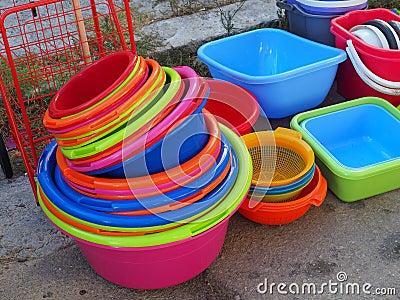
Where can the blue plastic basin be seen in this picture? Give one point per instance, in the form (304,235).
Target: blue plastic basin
(363,137)
(177,147)
(287,73)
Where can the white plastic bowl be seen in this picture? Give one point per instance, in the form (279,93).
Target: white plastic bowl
(371,35)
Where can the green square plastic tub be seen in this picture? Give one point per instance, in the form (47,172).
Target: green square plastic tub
(357,146)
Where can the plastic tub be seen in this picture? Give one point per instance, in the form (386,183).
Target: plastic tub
(177,147)
(134,81)
(331,7)
(161,102)
(154,78)
(134,103)
(146,186)
(157,266)
(195,94)
(149,222)
(286,212)
(360,155)
(92,84)
(384,63)
(232,106)
(276,66)
(167,201)
(224,209)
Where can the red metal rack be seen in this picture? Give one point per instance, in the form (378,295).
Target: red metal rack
(42,45)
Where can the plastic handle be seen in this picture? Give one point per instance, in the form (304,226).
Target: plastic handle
(377,83)
(287,131)
(284,5)
(320,195)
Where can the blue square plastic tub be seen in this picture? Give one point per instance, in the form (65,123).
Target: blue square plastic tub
(357,145)
(287,73)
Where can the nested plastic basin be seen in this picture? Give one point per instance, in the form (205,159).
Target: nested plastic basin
(145,186)
(360,155)
(92,84)
(167,258)
(286,73)
(177,147)
(149,222)
(196,92)
(285,212)
(384,63)
(232,106)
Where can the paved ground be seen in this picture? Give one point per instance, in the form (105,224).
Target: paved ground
(361,239)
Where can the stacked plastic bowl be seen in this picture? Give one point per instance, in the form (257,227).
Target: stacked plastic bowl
(140,175)
(283,167)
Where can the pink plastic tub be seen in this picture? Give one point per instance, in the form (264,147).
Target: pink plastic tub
(155,267)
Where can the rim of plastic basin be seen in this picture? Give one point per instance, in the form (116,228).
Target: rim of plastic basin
(221,212)
(376,38)
(332,4)
(152,188)
(193,166)
(143,222)
(358,174)
(154,80)
(285,138)
(284,212)
(335,57)
(70,221)
(135,81)
(396,27)
(273,190)
(318,185)
(152,132)
(135,121)
(389,33)
(122,63)
(148,91)
(203,185)
(120,125)
(185,141)
(281,197)
(232,105)
(133,143)
(82,136)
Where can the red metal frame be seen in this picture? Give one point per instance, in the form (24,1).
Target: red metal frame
(41,48)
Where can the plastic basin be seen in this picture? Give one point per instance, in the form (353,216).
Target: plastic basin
(282,213)
(275,66)
(232,106)
(166,258)
(360,155)
(92,84)
(145,186)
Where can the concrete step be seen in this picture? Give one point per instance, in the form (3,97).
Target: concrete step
(206,25)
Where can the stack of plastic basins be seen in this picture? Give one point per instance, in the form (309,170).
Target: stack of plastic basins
(140,175)
(286,180)
(312,18)
(383,63)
